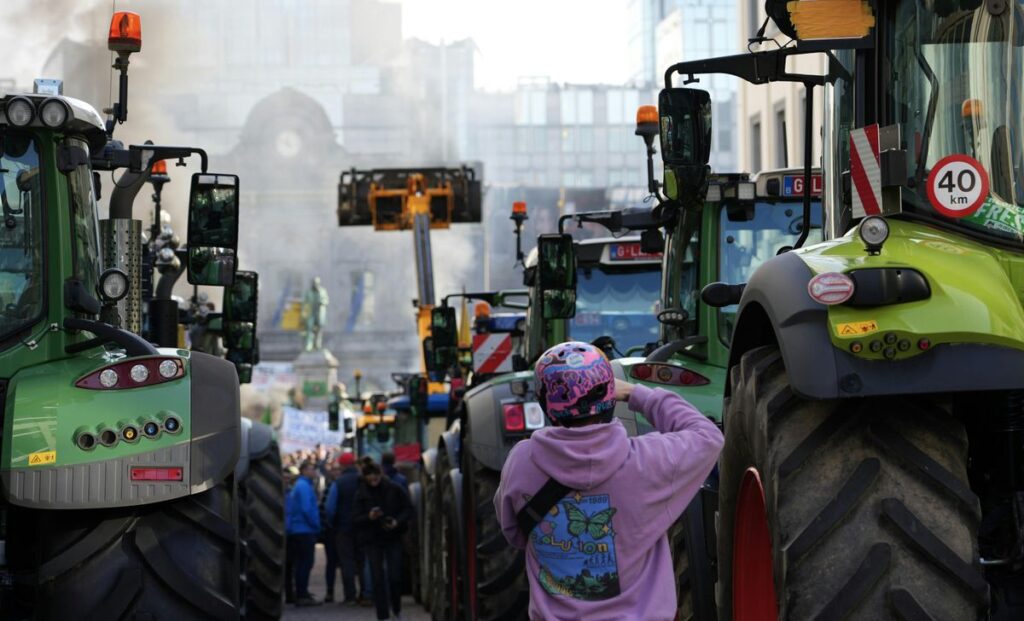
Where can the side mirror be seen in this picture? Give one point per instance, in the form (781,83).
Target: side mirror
(239,335)
(685,115)
(556,276)
(383,434)
(244,373)
(444,338)
(333,411)
(212,229)
(350,425)
(249,355)
(242,297)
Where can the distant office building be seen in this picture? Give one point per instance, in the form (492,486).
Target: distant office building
(696,29)
(644,18)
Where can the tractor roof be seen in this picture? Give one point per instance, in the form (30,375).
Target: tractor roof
(83,119)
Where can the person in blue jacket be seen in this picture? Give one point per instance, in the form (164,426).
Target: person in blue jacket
(340,501)
(302,522)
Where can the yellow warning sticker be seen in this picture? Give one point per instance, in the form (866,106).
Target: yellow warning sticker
(856,328)
(42,457)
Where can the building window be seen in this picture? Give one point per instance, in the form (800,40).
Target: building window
(531,107)
(361,302)
(622,106)
(781,150)
(755,144)
(568,139)
(577,107)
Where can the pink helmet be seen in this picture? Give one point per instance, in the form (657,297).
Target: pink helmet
(575,380)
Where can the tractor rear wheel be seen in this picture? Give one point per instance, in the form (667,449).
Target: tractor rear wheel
(427,540)
(447,599)
(172,560)
(844,509)
(497,570)
(695,582)
(263,534)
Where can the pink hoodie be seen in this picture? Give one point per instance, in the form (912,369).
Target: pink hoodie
(602,552)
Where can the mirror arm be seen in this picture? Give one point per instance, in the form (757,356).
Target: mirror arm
(133,344)
(663,353)
(805,228)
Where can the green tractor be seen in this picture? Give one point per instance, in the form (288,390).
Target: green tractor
(118,457)
(602,290)
(874,411)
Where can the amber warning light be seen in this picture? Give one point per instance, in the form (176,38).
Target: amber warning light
(519,208)
(159,167)
(646,114)
(125,32)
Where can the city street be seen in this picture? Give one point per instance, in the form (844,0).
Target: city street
(410,610)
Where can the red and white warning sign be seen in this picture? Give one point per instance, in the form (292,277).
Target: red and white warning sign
(865,171)
(957,186)
(492,353)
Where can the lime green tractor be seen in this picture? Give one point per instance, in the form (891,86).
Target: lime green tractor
(118,457)
(874,413)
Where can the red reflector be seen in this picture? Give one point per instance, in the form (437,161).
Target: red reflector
(515,417)
(689,378)
(156,474)
(667,374)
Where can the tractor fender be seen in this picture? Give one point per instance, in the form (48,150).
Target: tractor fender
(261,439)
(242,465)
(216,416)
(450,447)
(428,462)
(416,497)
(257,439)
(455,475)
(484,419)
(776,310)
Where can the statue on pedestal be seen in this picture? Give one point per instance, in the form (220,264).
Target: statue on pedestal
(314,312)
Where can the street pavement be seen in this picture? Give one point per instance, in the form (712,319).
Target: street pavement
(336,612)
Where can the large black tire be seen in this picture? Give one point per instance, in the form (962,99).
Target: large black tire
(695,580)
(449,584)
(427,542)
(869,513)
(263,536)
(173,560)
(501,588)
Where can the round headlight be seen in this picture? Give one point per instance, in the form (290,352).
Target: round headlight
(54,113)
(113,284)
(108,378)
(166,255)
(151,429)
(139,373)
(20,112)
(168,369)
(874,230)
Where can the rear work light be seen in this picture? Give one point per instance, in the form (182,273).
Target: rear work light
(668,375)
(134,373)
(150,473)
(513,416)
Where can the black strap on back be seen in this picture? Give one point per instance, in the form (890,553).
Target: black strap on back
(538,506)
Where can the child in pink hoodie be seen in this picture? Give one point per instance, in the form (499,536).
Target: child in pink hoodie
(601,551)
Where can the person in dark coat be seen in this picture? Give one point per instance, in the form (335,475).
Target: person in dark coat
(387,461)
(340,502)
(380,515)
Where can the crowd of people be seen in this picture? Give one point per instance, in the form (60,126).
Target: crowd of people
(358,509)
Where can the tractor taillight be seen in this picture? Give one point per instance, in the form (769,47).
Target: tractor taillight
(134,373)
(667,374)
(514,416)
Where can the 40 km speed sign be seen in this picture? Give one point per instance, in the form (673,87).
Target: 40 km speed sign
(957,186)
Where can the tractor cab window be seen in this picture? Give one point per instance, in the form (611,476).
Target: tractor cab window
(618,302)
(21,234)
(84,224)
(958,89)
(750,236)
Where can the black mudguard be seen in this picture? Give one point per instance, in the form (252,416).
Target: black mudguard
(482,405)
(776,309)
(215,421)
